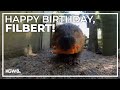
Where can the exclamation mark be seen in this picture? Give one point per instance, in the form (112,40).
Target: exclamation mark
(53,27)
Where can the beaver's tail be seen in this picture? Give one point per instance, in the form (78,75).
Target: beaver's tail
(66,42)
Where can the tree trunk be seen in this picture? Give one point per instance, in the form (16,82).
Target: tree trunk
(119,29)
(109,29)
(93,41)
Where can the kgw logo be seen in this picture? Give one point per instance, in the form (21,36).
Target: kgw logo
(12,71)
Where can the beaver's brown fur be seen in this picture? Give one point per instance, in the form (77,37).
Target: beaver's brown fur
(67,39)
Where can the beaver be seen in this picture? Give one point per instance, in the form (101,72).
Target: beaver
(67,39)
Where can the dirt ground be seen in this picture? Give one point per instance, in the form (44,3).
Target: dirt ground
(46,63)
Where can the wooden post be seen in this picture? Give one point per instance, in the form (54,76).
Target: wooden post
(46,36)
(109,29)
(119,29)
